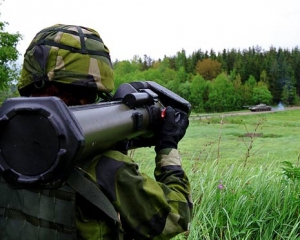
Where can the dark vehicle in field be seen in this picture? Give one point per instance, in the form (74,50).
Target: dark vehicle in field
(260,108)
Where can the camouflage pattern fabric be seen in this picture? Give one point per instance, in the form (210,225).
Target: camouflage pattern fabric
(67,54)
(37,214)
(148,208)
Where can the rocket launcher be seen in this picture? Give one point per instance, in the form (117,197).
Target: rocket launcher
(42,139)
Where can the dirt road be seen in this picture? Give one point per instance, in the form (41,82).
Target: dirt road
(205,116)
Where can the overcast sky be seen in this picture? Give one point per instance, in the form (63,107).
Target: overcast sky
(163,27)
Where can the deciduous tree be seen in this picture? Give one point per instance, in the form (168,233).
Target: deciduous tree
(8,56)
(199,91)
(221,94)
(261,93)
(208,68)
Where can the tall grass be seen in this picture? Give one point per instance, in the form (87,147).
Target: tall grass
(244,203)
(244,172)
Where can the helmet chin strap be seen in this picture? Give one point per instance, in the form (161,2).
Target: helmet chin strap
(39,81)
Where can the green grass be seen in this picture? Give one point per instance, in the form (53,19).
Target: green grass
(251,203)
(245,154)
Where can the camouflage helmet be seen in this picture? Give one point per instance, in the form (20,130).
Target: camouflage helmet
(67,54)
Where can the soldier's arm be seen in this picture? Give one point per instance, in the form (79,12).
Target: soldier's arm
(149,208)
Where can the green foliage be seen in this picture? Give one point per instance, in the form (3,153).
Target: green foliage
(289,93)
(180,60)
(261,94)
(168,75)
(8,55)
(10,92)
(199,93)
(221,95)
(290,171)
(152,74)
(185,90)
(238,90)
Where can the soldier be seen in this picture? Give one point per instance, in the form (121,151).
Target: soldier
(72,63)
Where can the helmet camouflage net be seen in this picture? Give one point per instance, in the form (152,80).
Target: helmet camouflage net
(67,54)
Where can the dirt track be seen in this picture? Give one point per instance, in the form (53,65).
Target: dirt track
(205,116)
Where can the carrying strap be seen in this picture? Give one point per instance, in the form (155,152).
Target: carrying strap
(92,193)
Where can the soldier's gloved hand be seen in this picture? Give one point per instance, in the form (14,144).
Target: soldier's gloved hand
(173,129)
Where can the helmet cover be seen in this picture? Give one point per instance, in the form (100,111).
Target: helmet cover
(67,54)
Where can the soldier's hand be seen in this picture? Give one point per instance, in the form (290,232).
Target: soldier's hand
(173,128)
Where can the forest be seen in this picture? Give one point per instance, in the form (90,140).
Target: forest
(224,81)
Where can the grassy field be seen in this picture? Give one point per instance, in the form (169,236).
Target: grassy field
(244,171)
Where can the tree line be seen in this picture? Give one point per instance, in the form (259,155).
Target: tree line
(223,81)
(210,81)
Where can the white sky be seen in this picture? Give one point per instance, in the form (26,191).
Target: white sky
(163,27)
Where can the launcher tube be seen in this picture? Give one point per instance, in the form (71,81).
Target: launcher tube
(107,125)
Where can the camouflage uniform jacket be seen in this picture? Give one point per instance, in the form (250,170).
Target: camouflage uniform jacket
(148,209)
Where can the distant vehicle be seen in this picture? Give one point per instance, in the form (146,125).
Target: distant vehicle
(260,108)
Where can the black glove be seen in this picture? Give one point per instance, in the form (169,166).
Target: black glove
(173,128)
